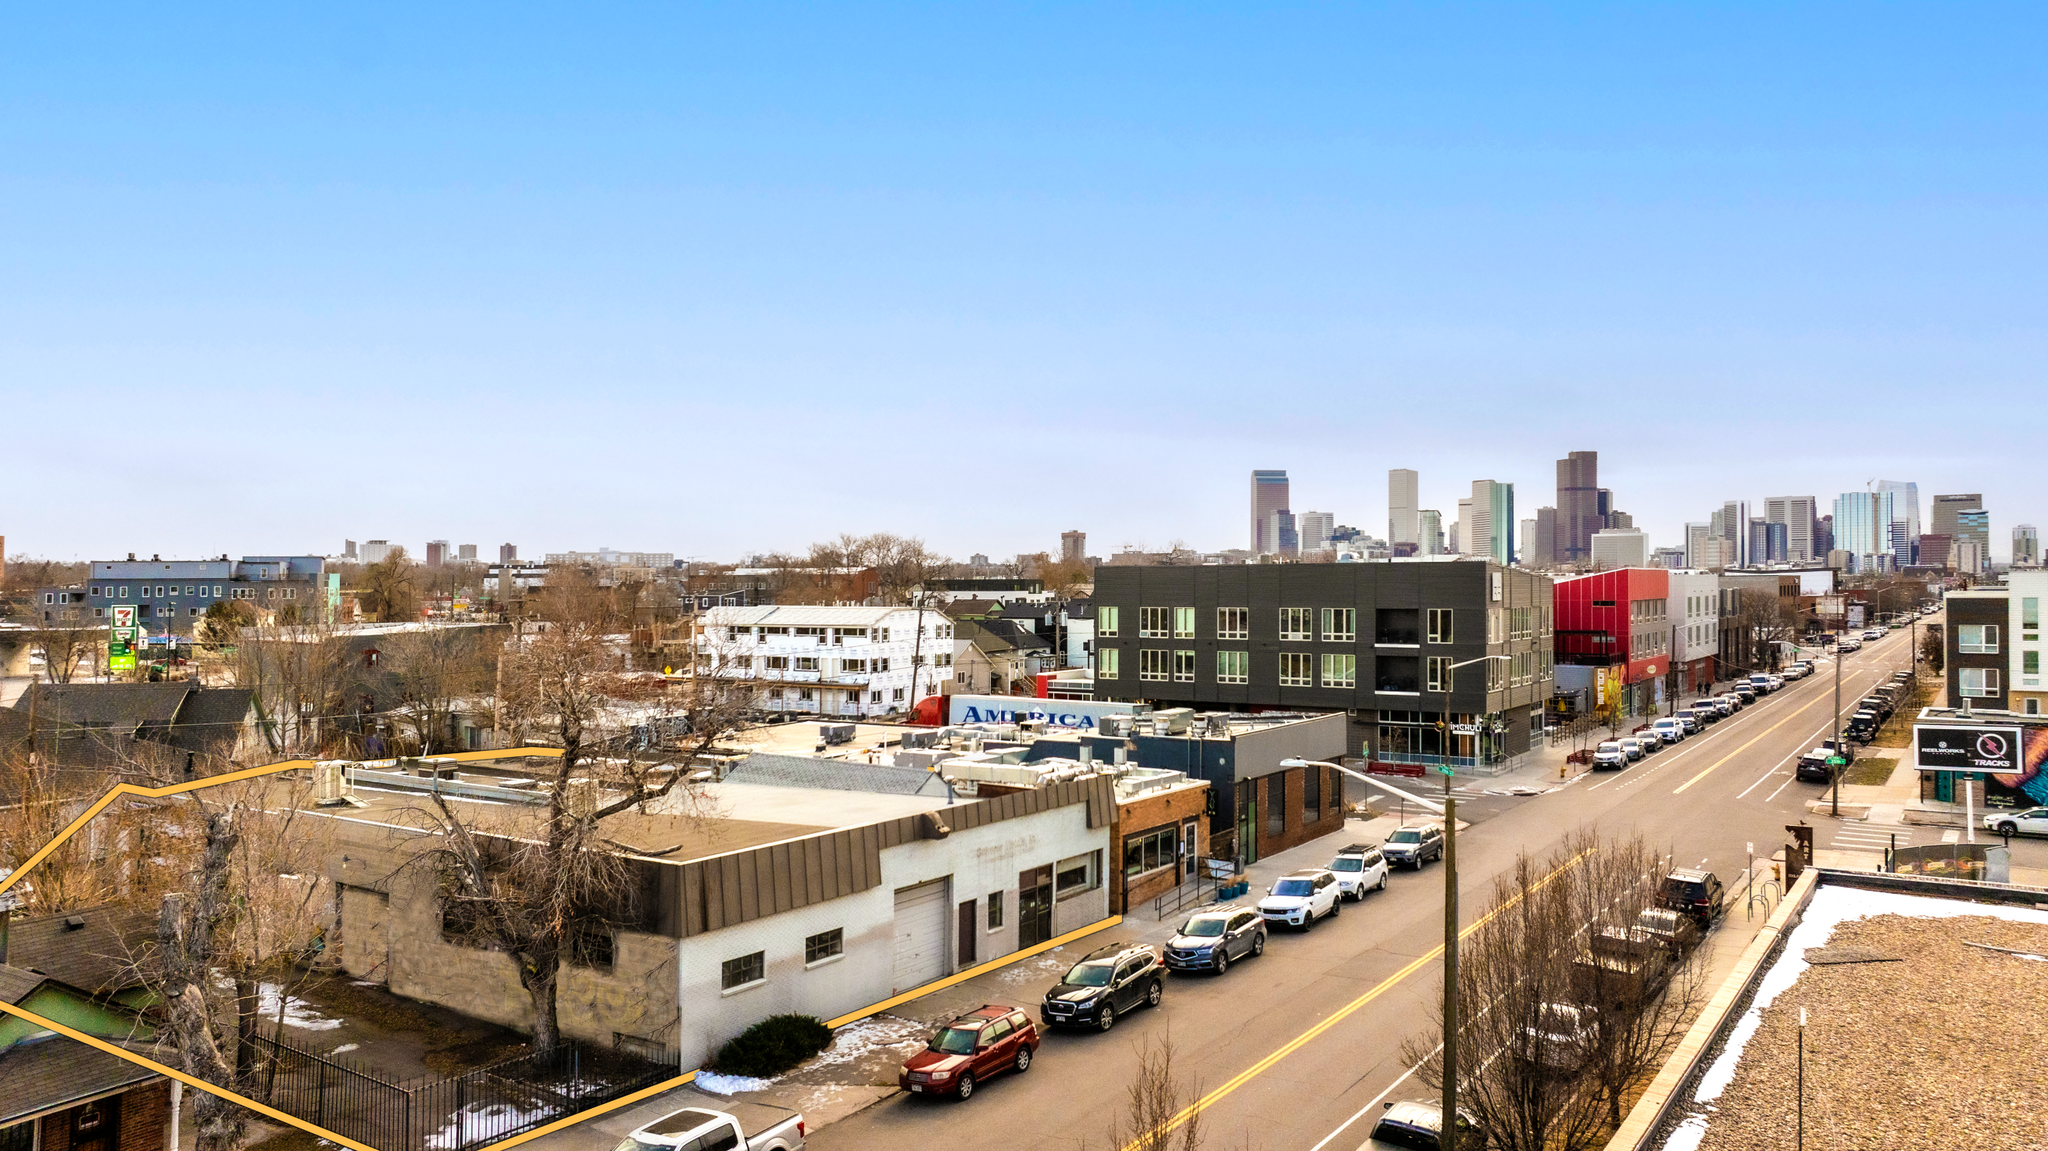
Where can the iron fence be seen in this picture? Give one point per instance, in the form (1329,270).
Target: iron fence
(477,1107)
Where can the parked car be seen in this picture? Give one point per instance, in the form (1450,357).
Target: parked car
(1744,692)
(1419,1127)
(1674,931)
(1214,936)
(1723,705)
(1691,721)
(1105,983)
(1359,868)
(2031,821)
(1560,1037)
(1813,767)
(1873,633)
(1848,644)
(1619,981)
(1653,740)
(748,1126)
(1299,898)
(1776,681)
(1670,729)
(1695,893)
(1862,726)
(972,1049)
(1414,846)
(1610,756)
(1761,684)
(1633,746)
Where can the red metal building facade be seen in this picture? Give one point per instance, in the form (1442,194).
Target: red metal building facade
(1615,619)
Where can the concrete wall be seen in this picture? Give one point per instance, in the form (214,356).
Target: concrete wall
(976,862)
(635,997)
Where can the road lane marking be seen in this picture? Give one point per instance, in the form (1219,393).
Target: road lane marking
(1822,698)
(1370,1104)
(1339,1016)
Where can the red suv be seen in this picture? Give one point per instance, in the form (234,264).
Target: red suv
(984,1042)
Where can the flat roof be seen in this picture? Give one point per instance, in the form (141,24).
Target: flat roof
(1914,1037)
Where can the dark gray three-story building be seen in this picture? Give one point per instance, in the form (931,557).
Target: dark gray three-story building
(1375,640)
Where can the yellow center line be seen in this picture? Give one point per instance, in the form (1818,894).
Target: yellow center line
(1343,1013)
(1823,698)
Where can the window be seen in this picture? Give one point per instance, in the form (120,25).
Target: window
(805,694)
(774,693)
(591,944)
(49,597)
(741,972)
(2030,663)
(807,663)
(897,695)
(880,665)
(1340,671)
(775,662)
(824,945)
(1397,673)
(1151,664)
(1233,623)
(1340,624)
(1077,874)
(1183,623)
(1311,793)
(1980,682)
(1440,673)
(1977,638)
(1276,803)
(1232,667)
(942,659)
(1153,622)
(1399,625)
(2033,707)
(20,1137)
(1295,623)
(1184,667)
(2030,618)
(124,592)
(216,591)
(874,697)
(995,910)
(1105,621)
(95,589)
(1105,663)
(1297,669)
(1152,850)
(859,666)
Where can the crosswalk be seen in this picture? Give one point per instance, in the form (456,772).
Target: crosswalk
(1873,836)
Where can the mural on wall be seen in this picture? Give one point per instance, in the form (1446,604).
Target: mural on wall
(2029,781)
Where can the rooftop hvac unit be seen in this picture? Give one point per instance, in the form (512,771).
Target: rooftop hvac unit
(334,784)
(581,799)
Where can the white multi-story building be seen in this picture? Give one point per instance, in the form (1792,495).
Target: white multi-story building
(1694,614)
(837,661)
(1620,548)
(608,557)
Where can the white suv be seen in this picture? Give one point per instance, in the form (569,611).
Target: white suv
(1359,868)
(1302,897)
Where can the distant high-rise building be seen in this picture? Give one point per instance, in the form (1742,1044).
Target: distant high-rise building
(1731,526)
(437,553)
(1620,548)
(1905,517)
(466,553)
(1823,536)
(1949,519)
(1796,513)
(1967,557)
(375,551)
(1667,557)
(1315,529)
(1284,533)
(1269,495)
(1456,546)
(1404,506)
(1539,539)
(1579,513)
(1696,537)
(1493,521)
(1073,547)
(2026,546)
(1933,550)
(1461,532)
(508,553)
(348,549)
(1863,528)
(1432,521)
(1766,542)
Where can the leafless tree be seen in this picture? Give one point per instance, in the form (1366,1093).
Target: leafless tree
(1155,1115)
(1762,619)
(298,672)
(390,588)
(1563,1002)
(435,669)
(530,891)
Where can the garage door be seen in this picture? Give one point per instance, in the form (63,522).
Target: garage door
(920,933)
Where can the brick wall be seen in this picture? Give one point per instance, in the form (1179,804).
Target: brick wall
(1296,830)
(1171,808)
(141,1119)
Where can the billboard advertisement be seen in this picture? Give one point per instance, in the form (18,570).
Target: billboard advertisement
(2013,755)
(1078,713)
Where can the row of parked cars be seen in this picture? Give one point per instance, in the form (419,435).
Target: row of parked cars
(1615,754)
(1112,981)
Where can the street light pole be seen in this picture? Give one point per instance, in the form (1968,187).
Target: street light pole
(1448,1133)
(1835,795)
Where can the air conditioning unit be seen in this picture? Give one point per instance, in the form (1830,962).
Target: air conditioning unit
(334,784)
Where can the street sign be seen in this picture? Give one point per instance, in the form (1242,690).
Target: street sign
(1446,769)
(1464,729)
(1836,761)
(124,615)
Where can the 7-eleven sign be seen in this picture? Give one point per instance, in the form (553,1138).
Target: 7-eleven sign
(124,615)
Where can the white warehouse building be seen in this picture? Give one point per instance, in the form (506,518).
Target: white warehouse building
(834,661)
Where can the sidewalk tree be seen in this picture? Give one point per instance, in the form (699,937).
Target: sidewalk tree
(531,885)
(1932,651)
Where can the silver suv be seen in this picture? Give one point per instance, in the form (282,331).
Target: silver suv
(1414,846)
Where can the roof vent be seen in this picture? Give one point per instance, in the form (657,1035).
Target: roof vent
(74,923)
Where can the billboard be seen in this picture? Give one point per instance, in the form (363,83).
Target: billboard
(1079,713)
(1959,747)
(121,638)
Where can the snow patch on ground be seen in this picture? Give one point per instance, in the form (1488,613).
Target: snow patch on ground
(297,1012)
(344,1049)
(875,1033)
(481,1123)
(1829,908)
(728,1084)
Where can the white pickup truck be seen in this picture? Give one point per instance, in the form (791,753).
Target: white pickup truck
(746,1127)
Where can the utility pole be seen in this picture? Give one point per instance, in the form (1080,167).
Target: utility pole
(1835,796)
(1448,1133)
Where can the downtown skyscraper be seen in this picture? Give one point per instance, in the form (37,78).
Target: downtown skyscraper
(1269,497)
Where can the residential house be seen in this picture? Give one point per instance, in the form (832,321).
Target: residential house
(832,661)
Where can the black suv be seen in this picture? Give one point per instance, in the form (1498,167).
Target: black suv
(1105,983)
(1213,936)
(1693,893)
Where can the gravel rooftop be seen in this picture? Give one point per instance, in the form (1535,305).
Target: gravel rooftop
(1916,1040)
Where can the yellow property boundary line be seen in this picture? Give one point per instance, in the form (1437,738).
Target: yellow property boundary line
(20,873)
(1339,1016)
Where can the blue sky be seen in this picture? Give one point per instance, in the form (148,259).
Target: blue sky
(714,279)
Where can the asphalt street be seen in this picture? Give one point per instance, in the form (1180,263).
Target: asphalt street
(1293,1049)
